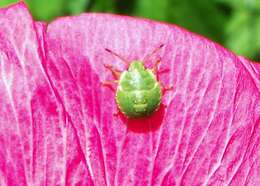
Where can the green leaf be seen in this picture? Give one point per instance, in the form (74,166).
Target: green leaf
(103,6)
(4,3)
(76,6)
(156,9)
(241,33)
(253,5)
(257,31)
(47,9)
(203,17)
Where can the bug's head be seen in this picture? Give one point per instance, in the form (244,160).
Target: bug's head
(136,65)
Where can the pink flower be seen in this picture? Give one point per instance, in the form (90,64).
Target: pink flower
(57,122)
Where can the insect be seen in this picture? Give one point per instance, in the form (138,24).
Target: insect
(138,92)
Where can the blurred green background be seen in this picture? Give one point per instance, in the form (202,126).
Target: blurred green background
(232,23)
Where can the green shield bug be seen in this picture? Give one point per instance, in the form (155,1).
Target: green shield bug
(138,92)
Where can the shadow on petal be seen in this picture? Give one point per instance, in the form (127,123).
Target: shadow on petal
(144,125)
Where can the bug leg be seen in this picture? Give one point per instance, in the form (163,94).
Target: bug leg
(116,73)
(163,71)
(156,70)
(155,67)
(109,84)
(166,89)
(152,53)
(117,114)
(117,55)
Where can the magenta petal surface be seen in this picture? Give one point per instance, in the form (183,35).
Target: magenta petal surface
(57,123)
(38,143)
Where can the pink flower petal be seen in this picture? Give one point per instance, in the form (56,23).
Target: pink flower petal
(57,124)
(38,142)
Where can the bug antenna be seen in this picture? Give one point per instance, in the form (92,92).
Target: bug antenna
(153,52)
(117,55)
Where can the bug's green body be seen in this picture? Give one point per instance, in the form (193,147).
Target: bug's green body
(138,93)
